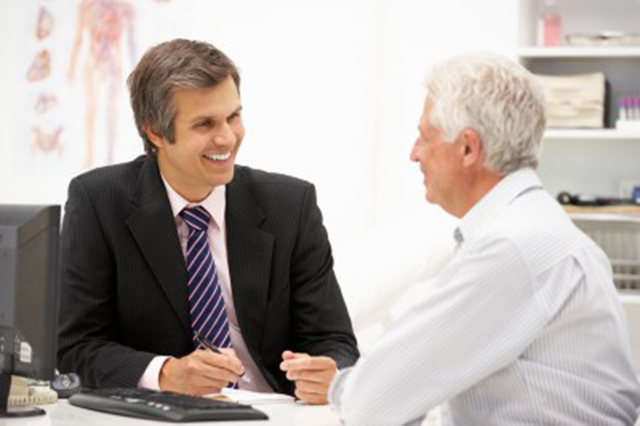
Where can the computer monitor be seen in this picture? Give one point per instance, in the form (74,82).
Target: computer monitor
(28,296)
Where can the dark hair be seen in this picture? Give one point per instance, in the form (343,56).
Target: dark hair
(166,68)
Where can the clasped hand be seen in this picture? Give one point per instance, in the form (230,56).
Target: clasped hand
(312,375)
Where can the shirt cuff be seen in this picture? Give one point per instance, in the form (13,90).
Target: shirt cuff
(336,389)
(151,377)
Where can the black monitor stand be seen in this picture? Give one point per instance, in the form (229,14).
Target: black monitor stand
(5,411)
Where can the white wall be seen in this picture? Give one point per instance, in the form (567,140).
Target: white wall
(412,36)
(332,92)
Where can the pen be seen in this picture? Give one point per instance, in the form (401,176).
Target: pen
(204,342)
(207,344)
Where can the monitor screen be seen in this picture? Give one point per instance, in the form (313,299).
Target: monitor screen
(28,293)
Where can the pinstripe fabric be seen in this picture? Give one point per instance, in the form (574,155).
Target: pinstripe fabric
(523,327)
(206,304)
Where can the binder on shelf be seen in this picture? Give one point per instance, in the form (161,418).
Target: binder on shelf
(574,101)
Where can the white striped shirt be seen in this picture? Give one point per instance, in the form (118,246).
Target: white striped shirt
(524,326)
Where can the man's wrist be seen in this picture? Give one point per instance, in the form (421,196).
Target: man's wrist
(163,373)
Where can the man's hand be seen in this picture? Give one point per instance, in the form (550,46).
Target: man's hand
(311,374)
(201,372)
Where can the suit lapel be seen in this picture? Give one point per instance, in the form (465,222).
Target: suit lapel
(153,227)
(249,249)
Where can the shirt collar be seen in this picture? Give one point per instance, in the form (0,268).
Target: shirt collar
(215,203)
(508,189)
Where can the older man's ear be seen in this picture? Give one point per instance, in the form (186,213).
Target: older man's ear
(473,149)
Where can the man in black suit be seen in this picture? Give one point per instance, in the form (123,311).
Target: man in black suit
(128,314)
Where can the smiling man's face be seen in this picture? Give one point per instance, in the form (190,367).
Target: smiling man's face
(208,134)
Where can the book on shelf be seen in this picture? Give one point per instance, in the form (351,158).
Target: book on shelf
(574,101)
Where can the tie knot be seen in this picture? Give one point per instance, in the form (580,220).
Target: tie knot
(197,218)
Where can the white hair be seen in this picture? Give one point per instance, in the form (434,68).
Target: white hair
(497,98)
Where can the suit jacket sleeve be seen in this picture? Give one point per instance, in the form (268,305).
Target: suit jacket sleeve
(320,322)
(88,326)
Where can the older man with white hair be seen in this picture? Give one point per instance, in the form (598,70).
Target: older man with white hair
(524,326)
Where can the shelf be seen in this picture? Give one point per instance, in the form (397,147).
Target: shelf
(579,52)
(591,134)
(629,296)
(619,214)
(606,218)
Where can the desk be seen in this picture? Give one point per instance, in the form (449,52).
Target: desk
(284,414)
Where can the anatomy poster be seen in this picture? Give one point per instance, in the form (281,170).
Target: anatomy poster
(78,55)
(106,30)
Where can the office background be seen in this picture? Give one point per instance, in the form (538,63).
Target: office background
(332,90)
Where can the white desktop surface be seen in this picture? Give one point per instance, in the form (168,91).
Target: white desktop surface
(284,414)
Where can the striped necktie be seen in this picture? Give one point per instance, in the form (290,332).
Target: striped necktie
(206,304)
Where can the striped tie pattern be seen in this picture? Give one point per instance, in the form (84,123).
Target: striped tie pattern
(206,304)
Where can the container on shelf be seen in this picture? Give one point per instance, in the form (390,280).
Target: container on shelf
(550,25)
(604,38)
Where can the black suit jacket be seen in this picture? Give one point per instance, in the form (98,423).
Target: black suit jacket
(124,280)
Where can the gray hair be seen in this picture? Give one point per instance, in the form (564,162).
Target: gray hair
(497,98)
(166,68)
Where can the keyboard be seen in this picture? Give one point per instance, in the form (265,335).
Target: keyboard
(165,406)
